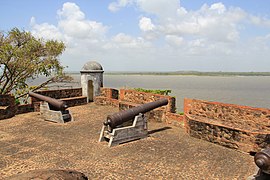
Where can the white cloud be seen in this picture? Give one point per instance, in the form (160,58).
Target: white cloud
(214,23)
(72,27)
(146,24)
(166,31)
(160,8)
(122,40)
(71,11)
(259,21)
(218,7)
(73,23)
(45,30)
(115,6)
(174,41)
(81,36)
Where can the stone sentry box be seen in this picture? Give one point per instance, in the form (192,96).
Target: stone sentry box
(91,80)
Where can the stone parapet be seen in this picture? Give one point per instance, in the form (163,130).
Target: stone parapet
(75,101)
(157,114)
(239,127)
(129,95)
(7,106)
(24,108)
(73,97)
(128,98)
(61,93)
(105,101)
(109,93)
(175,119)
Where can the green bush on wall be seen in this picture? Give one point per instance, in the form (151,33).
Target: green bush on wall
(154,91)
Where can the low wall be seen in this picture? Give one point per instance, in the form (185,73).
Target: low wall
(137,97)
(127,98)
(8,109)
(7,106)
(109,93)
(24,108)
(61,93)
(72,97)
(105,101)
(238,127)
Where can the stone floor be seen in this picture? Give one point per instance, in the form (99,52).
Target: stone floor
(27,143)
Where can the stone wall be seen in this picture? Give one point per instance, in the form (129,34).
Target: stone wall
(105,101)
(72,97)
(137,97)
(7,106)
(108,97)
(109,93)
(128,98)
(175,119)
(24,108)
(61,93)
(238,127)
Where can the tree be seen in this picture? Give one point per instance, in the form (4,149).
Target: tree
(22,56)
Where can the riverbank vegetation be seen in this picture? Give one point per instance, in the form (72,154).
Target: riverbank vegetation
(193,73)
(154,91)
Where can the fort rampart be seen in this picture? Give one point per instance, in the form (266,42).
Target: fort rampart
(8,107)
(239,127)
(127,98)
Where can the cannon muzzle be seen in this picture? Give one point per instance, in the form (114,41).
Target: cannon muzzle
(262,160)
(55,104)
(119,118)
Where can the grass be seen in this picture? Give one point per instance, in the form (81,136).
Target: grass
(154,91)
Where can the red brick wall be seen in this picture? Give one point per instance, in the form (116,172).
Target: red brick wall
(105,101)
(128,95)
(109,93)
(175,119)
(239,127)
(131,98)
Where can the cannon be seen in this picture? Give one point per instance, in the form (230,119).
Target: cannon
(53,109)
(262,160)
(54,104)
(114,131)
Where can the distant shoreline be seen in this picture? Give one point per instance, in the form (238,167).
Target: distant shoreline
(186,73)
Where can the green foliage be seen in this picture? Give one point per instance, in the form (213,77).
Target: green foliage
(181,113)
(154,91)
(17,101)
(23,56)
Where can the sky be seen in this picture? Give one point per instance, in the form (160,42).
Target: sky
(150,35)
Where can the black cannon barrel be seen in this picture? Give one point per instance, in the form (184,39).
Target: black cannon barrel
(262,160)
(54,103)
(124,116)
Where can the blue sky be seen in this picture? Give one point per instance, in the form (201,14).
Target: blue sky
(150,35)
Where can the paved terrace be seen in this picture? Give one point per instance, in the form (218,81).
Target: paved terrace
(27,142)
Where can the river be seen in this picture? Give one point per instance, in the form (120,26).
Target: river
(242,90)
